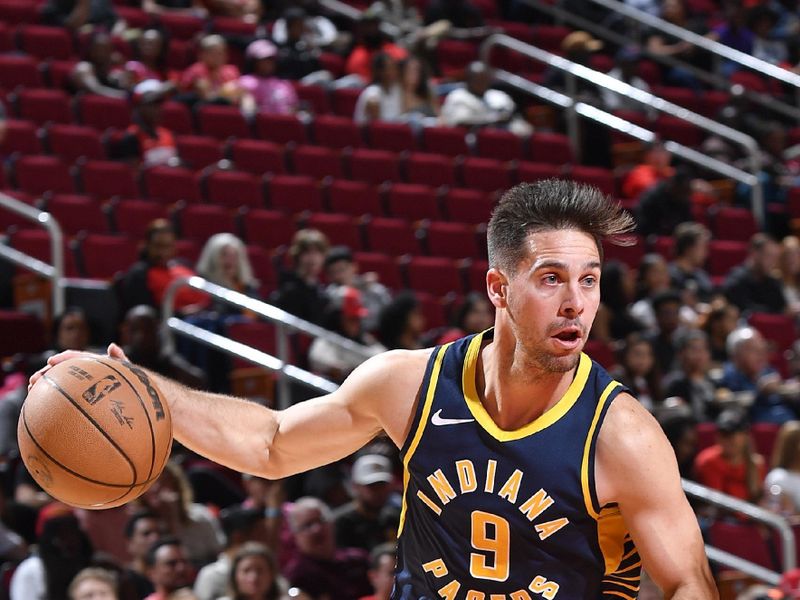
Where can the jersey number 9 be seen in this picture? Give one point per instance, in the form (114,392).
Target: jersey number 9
(491,535)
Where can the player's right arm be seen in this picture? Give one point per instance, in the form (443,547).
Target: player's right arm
(247,437)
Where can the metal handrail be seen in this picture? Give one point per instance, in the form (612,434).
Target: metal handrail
(755,513)
(285,323)
(55,271)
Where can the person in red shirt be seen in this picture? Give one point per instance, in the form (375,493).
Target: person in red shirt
(730,465)
(146,141)
(655,168)
(371,42)
(211,78)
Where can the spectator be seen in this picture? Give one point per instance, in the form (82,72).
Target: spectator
(268,496)
(782,484)
(248,11)
(224,261)
(240,525)
(93,584)
(667,307)
(171,498)
(690,380)
(254,575)
(762,20)
(419,101)
(730,465)
(617,289)
(721,320)
(382,100)
(345,314)
(662,44)
(300,291)
(168,568)
(652,278)
(63,550)
(12,546)
(381,572)
(477,106)
(473,315)
(637,371)
(686,271)
(263,91)
(297,58)
(341,269)
(371,41)
(401,323)
(733,33)
(321,568)
(211,78)
(150,52)
(75,14)
(142,530)
(751,380)
(147,280)
(790,272)
(317,31)
(462,14)
(358,524)
(654,168)
(665,205)
(194,8)
(626,70)
(146,140)
(752,286)
(101,73)
(681,432)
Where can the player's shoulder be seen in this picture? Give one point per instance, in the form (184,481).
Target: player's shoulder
(392,370)
(628,426)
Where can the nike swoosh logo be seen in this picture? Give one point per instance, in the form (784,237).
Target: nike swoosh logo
(438,419)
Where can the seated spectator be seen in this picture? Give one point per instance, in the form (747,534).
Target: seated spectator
(212,78)
(298,59)
(652,278)
(789,266)
(254,575)
(75,14)
(751,380)
(637,370)
(617,290)
(667,308)
(626,69)
(721,320)
(341,269)
(401,323)
(662,44)
(321,568)
(782,483)
(168,568)
(690,380)
(146,140)
(419,101)
(478,106)
(654,168)
(102,71)
(775,173)
(358,524)
(465,19)
(680,430)
(686,271)
(381,571)
(93,584)
(762,20)
(734,33)
(224,261)
(147,280)
(141,342)
(194,526)
(473,315)
(241,526)
(752,286)
(382,100)
(142,530)
(665,205)
(300,291)
(263,91)
(248,11)
(150,57)
(731,466)
(317,31)
(194,8)
(370,42)
(344,316)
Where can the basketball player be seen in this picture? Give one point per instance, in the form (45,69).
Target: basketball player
(529,472)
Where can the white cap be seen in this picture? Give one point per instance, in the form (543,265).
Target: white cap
(372,468)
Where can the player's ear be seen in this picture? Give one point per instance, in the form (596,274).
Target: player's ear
(496,286)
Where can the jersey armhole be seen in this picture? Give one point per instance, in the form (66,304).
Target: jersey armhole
(434,362)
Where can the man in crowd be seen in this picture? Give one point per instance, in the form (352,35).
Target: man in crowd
(691,251)
(167,567)
(142,530)
(752,286)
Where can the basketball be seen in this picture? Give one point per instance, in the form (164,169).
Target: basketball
(94,432)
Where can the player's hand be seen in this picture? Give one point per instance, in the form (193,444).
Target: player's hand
(113,351)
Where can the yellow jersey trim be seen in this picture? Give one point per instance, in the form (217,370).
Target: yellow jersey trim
(423,420)
(549,417)
(587,497)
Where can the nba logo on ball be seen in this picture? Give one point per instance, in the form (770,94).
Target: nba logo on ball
(94,432)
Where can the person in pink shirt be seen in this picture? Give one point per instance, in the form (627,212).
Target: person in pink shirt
(211,78)
(262,90)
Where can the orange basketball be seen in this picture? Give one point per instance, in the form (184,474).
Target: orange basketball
(95,432)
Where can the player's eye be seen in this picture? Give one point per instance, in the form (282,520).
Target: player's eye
(590,281)
(550,279)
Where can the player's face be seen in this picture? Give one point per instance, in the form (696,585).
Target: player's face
(551,300)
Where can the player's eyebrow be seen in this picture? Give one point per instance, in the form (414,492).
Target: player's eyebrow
(561,266)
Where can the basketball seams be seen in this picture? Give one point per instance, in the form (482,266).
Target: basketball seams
(97,426)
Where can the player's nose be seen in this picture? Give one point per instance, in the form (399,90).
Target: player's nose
(572,302)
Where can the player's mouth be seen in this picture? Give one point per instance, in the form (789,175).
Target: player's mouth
(568,338)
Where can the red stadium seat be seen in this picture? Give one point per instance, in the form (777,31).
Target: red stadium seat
(549,37)
(595,176)
(665,246)
(631,255)
(340,229)
(453,56)
(105,179)
(263,268)
(315,97)
(171,184)
(412,201)
(281,128)
(36,243)
(132,217)
(453,240)
(317,162)
(72,142)
(384,266)
(181,26)
(222,122)
(76,213)
(553,148)
(445,140)
(600,352)
(391,236)
(778,329)
(198,222)
(37,174)
(21,136)
(430,169)
(730,223)
(16,12)
(432,308)
(764,436)
(353,198)
(268,228)
(21,333)
(102,112)
(176,117)
(706,435)
(104,256)
(134,17)
(257,157)
(499,144)
(199,151)
(336,132)
(257,334)
(467,206)
(44,106)
(476,275)
(294,193)
(234,189)
(742,539)
(374,166)
(19,71)
(59,73)
(343,101)
(723,255)
(536,171)
(672,128)
(45,42)
(395,137)
(233,25)
(485,174)
(433,275)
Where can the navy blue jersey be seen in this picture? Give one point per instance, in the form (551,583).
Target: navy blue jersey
(490,514)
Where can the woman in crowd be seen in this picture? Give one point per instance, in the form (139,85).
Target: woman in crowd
(150,50)
(254,575)
(419,100)
(638,372)
(782,484)
(101,72)
(402,323)
(224,261)
(263,91)
(651,279)
(383,99)
(721,320)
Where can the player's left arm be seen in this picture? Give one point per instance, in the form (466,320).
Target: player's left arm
(636,467)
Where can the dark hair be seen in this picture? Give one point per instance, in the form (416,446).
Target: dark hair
(153,229)
(759,241)
(551,204)
(648,261)
(237,519)
(378,65)
(246,551)
(665,297)
(687,235)
(379,551)
(70,310)
(59,569)
(130,526)
(338,253)
(394,317)
(469,302)
(305,240)
(152,551)
(423,89)
(612,289)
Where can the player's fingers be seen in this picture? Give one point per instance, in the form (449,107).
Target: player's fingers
(115,351)
(36,377)
(66,355)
